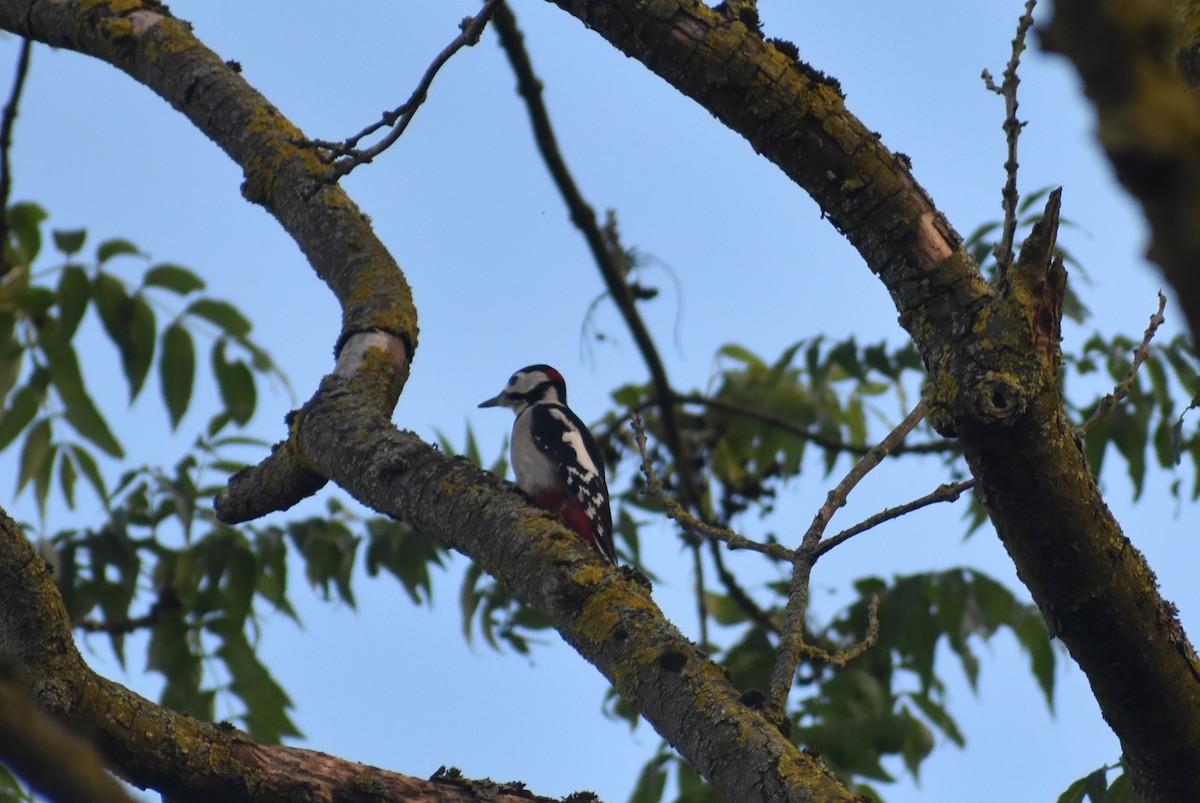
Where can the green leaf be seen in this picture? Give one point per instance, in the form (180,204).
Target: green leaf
(723,609)
(221,313)
(11,789)
(1032,634)
(236,384)
(130,324)
(69,242)
(175,278)
(266,702)
(171,653)
(138,356)
(86,464)
(80,410)
(12,358)
(177,370)
(328,549)
(66,479)
(845,355)
(115,247)
(23,406)
(34,453)
(74,290)
(271,551)
(24,226)
(112,302)
(404,552)
(652,781)
(742,355)
(1122,791)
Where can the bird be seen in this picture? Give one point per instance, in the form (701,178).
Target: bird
(555,457)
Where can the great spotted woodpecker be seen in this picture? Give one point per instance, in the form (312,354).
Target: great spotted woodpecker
(554,456)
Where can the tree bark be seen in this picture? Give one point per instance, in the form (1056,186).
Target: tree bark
(992,376)
(150,746)
(992,385)
(1136,63)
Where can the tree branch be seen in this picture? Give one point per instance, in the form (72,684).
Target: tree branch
(1111,400)
(51,759)
(792,648)
(992,385)
(150,746)
(347,154)
(604,244)
(6,129)
(1149,120)
(610,620)
(1012,132)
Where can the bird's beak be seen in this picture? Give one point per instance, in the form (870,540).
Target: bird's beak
(494,401)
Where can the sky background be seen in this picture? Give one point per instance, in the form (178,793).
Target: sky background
(501,280)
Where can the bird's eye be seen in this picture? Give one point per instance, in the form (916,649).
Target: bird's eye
(512,380)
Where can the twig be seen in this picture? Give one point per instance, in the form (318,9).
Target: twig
(6,129)
(654,489)
(792,649)
(605,247)
(837,497)
(346,156)
(948,492)
(1012,132)
(1111,400)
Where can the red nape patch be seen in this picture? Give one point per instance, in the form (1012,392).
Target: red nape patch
(553,374)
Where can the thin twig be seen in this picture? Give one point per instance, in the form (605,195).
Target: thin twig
(1012,132)
(837,497)
(654,489)
(606,250)
(948,492)
(346,156)
(1111,400)
(6,129)
(792,649)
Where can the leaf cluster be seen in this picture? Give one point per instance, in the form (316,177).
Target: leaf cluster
(157,314)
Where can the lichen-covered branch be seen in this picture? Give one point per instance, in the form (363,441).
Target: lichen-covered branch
(992,352)
(1129,54)
(283,174)
(609,619)
(150,746)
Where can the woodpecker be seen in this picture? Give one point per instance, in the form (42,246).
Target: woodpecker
(556,459)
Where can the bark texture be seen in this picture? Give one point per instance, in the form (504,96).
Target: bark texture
(150,746)
(991,352)
(993,386)
(1140,65)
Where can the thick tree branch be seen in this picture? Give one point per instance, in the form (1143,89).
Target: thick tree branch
(282,175)
(52,760)
(1125,52)
(610,620)
(992,356)
(149,746)
(6,128)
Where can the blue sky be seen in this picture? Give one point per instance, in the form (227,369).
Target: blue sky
(501,280)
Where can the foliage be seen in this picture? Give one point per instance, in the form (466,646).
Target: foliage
(41,380)
(160,562)
(1095,788)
